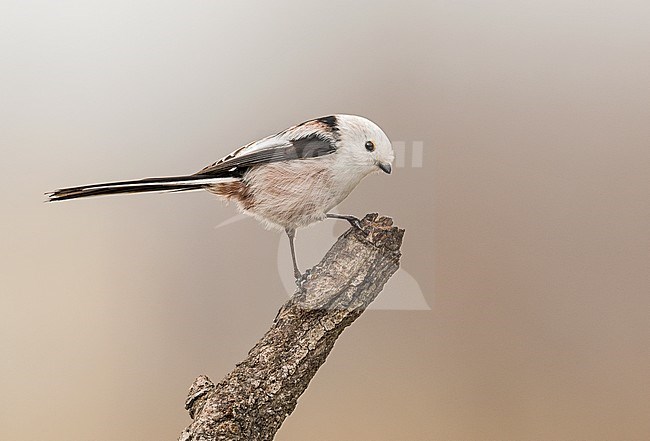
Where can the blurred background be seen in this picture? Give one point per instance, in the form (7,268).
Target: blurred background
(524,191)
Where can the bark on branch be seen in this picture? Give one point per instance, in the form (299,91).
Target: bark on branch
(253,400)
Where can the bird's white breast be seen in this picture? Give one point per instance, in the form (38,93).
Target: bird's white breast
(293,194)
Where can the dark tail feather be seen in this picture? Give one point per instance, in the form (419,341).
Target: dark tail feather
(175,183)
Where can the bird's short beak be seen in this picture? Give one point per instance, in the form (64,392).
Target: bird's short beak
(385,166)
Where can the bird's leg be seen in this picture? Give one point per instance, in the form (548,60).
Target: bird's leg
(354,221)
(291,233)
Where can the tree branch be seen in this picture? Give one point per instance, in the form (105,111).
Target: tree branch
(253,400)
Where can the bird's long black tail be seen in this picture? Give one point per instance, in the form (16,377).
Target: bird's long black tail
(174,183)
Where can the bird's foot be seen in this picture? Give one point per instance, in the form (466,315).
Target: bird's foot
(297,275)
(301,278)
(353,220)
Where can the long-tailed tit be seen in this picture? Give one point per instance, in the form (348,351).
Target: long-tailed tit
(287,181)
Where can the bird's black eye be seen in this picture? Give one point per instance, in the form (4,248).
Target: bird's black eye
(370,146)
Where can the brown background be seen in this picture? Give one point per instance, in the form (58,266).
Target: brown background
(527,224)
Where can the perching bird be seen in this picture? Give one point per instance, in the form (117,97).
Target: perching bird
(287,181)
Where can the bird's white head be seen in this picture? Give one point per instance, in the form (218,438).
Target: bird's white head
(363,147)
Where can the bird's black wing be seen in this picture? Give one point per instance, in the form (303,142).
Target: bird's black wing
(310,146)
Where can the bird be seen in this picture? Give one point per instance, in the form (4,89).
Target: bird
(286,181)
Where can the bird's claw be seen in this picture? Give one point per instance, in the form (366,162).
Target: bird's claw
(301,278)
(356,222)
